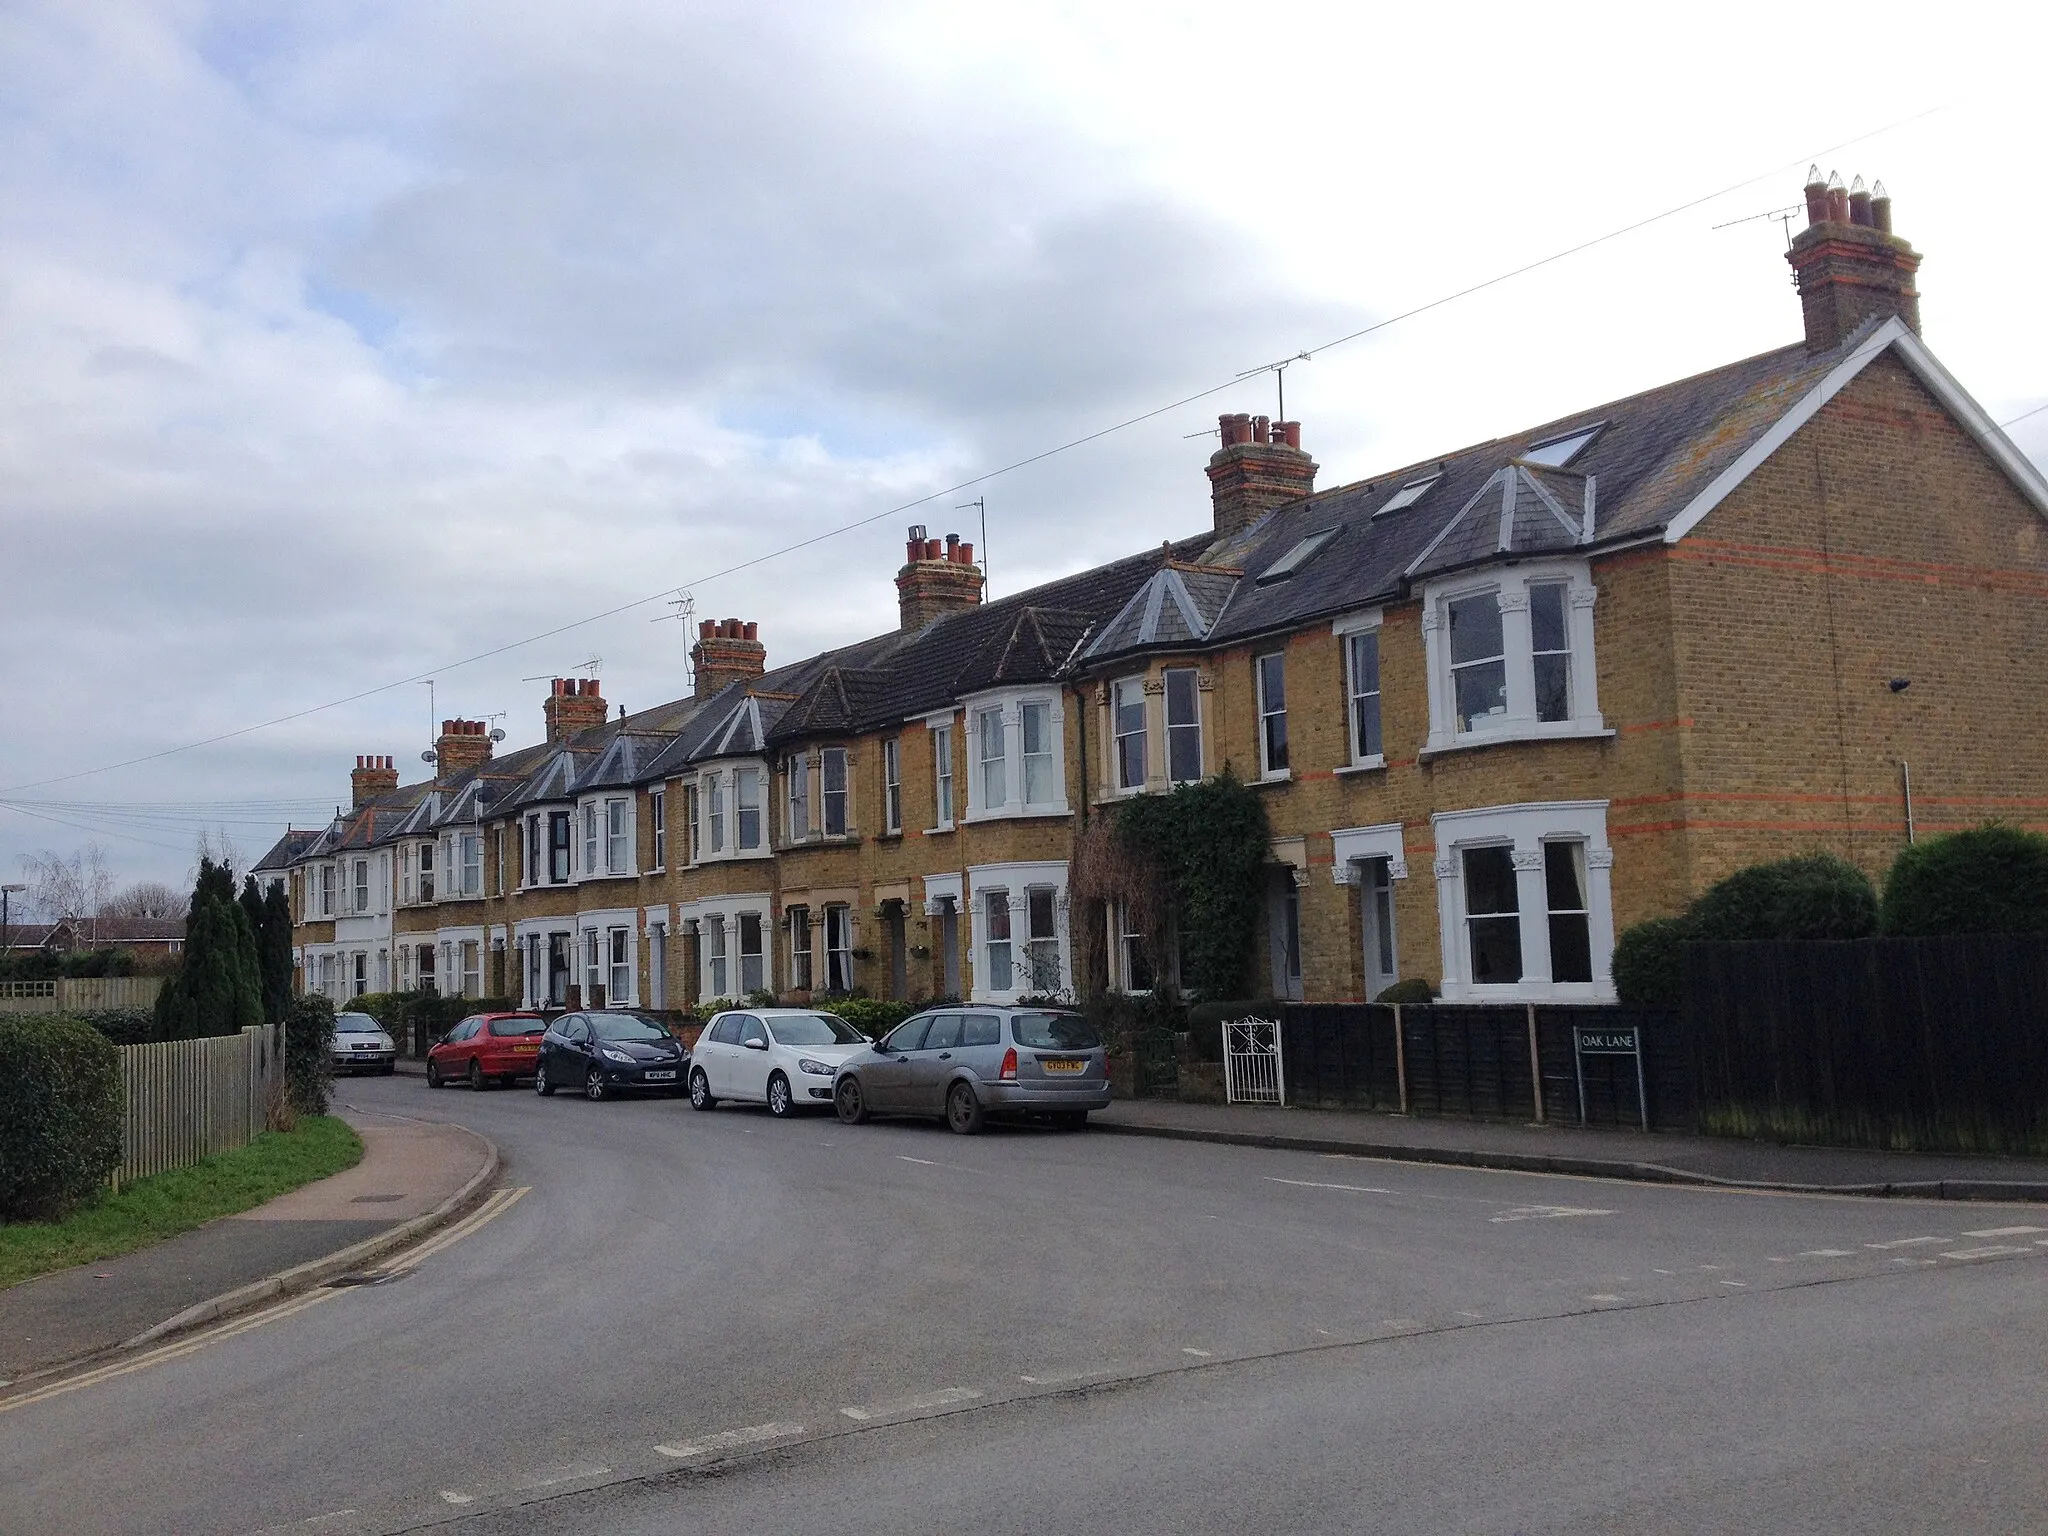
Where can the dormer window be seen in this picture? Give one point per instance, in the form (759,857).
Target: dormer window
(1556,452)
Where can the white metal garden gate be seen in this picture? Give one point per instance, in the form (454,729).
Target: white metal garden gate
(1253,1072)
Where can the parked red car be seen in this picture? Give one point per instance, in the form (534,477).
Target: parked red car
(504,1046)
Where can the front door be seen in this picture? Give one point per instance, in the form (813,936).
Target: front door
(949,946)
(886,1080)
(899,959)
(1376,893)
(1283,930)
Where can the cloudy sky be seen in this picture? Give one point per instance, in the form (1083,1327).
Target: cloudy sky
(341,344)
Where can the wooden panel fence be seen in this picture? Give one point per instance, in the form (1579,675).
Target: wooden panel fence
(190,1099)
(79,994)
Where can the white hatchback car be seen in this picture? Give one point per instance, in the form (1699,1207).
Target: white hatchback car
(782,1057)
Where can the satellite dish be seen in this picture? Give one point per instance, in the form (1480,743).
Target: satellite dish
(498,734)
(429,756)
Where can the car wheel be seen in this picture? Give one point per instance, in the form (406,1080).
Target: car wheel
(476,1076)
(389,1068)
(851,1103)
(1072,1120)
(780,1104)
(700,1091)
(541,1085)
(434,1079)
(963,1110)
(593,1085)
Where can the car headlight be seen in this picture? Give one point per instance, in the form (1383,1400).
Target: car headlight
(618,1056)
(820,1068)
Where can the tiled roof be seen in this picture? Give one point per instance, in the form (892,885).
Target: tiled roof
(284,851)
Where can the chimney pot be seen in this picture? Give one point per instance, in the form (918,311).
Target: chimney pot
(1292,431)
(1816,198)
(952,544)
(753,631)
(1261,430)
(1852,269)
(1880,208)
(704,630)
(1259,467)
(1838,201)
(967,554)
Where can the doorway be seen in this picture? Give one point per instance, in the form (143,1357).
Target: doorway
(1283,930)
(1376,897)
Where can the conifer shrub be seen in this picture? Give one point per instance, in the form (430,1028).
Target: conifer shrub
(1649,963)
(1811,896)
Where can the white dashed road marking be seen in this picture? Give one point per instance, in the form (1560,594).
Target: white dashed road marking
(731,1439)
(922,1161)
(452,1497)
(1909,1242)
(1199,1354)
(943,1398)
(1995,1251)
(1063,1378)
(1546,1213)
(1826,1253)
(1349,1189)
(2007,1232)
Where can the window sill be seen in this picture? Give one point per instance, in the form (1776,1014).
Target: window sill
(1569,730)
(944,827)
(889,837)
(1279,776)
(1375,764)
(1020,813)
(1528,991)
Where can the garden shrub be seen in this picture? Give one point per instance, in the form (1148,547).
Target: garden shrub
(872,1016)
(60,1114)
(1649,963)
(309,1053)
(123,1026)
(1988,879)
(1812,896)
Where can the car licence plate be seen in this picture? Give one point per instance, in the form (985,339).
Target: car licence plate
(531,1045)
(660,1077)
(1057,1065)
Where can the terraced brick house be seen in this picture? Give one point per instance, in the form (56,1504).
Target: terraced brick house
(1502,703)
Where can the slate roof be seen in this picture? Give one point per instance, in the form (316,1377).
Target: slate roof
(1652,455)
(284,851)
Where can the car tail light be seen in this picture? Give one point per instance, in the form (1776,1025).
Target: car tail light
(1010,1066)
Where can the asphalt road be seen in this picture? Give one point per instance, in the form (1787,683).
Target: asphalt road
(723,1323)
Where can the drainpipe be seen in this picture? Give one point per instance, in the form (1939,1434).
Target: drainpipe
(1906,779)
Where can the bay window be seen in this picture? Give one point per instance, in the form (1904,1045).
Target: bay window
(1019,939)
(1127,732)
(752,972)
(1510,655)
(618,836)
(1183,725)
(832,790)
(799,920)
(798,771)
(1525,902)
(1019,767)
(747,803)
(619,985)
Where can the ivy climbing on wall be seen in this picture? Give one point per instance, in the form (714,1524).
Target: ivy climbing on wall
(1192,861)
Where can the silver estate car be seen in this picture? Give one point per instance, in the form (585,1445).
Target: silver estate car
(964,1063)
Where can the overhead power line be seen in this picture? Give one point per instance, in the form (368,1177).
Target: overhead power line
(668,592)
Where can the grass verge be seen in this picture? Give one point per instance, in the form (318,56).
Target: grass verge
(165,1204)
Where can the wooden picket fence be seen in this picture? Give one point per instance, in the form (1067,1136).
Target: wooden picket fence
(80,994)
(190,1099)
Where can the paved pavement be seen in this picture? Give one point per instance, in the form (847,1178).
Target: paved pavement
(1658,1156)
(408,1169)
(722,1322)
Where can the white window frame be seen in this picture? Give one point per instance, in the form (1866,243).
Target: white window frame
(1127,696)
(892,785)
(1346,629)
(591,838)
(359,885)
(1015,882)
(843,795)
(1006,709)
(711,794)
(430,883)
(467,869)
(838,947)
(796,772)
(618,835)
(748,784)
(1524,829)
(657,817)
(945,790)
(802,952)
(1519,723)
(1267,768)
(471,953)
(718,919)
(618,942)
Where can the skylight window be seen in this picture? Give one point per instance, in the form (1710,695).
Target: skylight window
(1297,557)
(1560,451)
(1409,494)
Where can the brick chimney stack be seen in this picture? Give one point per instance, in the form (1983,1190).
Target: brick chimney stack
(936,579)
(463,745)
(573,705)
(726,651)
(1259,467)
(1848,264)
(373,776)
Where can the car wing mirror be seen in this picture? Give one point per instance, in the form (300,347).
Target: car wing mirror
(755,1044)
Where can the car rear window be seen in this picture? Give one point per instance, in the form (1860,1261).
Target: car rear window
(1054,1032)
(534,1026)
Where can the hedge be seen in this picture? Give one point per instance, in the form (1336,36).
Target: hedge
(1649,963)
(309,1053)
(60,1114)
(1812,896)
(1989,879)
(872,1016)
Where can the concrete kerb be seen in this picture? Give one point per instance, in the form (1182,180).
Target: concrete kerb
(1586,1167)
(317,1272)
